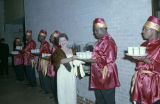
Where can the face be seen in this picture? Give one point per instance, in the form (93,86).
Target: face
(28,37)
(98,32)
(52,39)
(41,38)
(18,43)
(147,32)
(63,42)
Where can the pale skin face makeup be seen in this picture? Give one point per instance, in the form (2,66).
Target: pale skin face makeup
(63,42)
(18,43)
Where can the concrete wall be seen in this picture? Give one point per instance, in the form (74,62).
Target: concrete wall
(124,18)
(11,31)
(1,17)
(14,9)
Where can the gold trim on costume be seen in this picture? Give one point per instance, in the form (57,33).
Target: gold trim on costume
(135,76)
(18,40)
(42,34)
(100,25)
(44,65)
(104,73)
(33,62)
(134,79)
(152,25)
(28,34)
(54,34)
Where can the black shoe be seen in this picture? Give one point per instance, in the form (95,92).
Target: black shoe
(45,92)
(51,97)
(26,84)
(41,91)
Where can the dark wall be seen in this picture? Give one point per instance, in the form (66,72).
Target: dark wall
(14,11)
(155,7)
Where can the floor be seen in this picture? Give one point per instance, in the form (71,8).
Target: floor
(15,92)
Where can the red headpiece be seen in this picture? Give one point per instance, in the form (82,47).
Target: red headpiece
(99,23)
(153,22)
(29,32)
(43,32)
(55,33)
(18,39)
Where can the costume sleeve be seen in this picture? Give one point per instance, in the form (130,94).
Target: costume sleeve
(45,48)
(31,45)
(111,52)
(107,52)
(155,62)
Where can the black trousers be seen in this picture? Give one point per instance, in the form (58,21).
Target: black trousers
(4,66)
(45,82)
(105,96)
(19,69)
(31,75)
(158,102)
(53,82)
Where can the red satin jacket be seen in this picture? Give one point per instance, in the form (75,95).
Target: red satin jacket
(51,71)
(44,48)
(27,52)
(105,53)
(18,59)
(147,86)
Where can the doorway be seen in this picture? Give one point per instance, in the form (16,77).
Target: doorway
(156,10)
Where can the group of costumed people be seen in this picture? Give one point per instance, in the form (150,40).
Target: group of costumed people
(57,72)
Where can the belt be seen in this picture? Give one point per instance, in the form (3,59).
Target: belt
(135,76)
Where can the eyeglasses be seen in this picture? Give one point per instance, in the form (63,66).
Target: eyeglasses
(146,29)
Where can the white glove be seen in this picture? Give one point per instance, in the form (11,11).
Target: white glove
(79,63)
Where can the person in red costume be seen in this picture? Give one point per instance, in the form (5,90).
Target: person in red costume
(104,74)
(18,60)
(51,70)
(43,62)
(29,59)
(146,81)
(53,39)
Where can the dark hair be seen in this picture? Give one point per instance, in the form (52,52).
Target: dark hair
(14,44)
(55,40)
(62,35)
(2,39)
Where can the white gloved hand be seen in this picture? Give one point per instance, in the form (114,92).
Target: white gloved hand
(79,63)
(82,71)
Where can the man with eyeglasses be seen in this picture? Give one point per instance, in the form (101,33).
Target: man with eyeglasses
(146,81)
